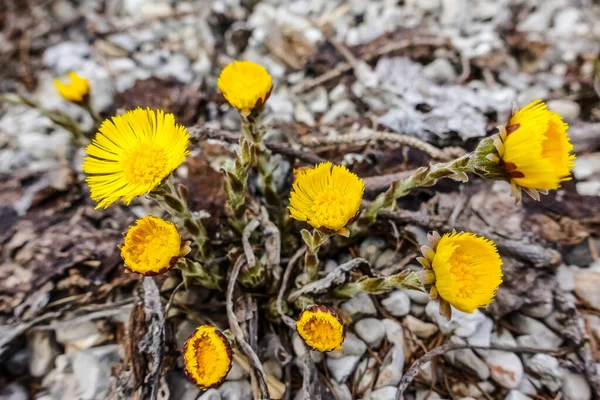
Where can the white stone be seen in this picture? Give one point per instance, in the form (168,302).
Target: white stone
(371,330)
(210,394)
(393,332)
(13,391)
(352,346)
(92,369)
(516,395)
(536,333)
(397,304)
(461,324)
(236,372)
(506,369)
(546,368)
(236,390)
(391,369)
(422,329)
(568,109)
(43,351)
(384,393)
(359,306)
(365,374)
(342,368)
(575,386)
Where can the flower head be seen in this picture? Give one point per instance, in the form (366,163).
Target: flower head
(132,154)
(152,246)
(321,328)
(76,90)
(535,150)
(327,197)
(245,85)
(462,269)
(207,357)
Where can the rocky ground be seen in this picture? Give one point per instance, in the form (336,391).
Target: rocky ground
(441,71)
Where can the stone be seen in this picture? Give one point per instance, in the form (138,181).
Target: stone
(586,286)
(384,393)
(370,248)
(210,394)
(503,337)
(317,100)
(575,386)
(540,310)
(79,336)
(516,395)
(441,71)
(423,394)
(340,391)
(546,369)
(536,333)
(393,332)
(181,388)
(342,368)
(236,372)
(92,368)
(528,385)
(422,329)
(467,360)
(352,346)
(177,66)
(471,389)
(418,296)
(386,259)
(359,306)
(302,114)
(343,108)
(506,368)
(461,324)
(236,390)
(300,349)
(483,335)
(397,304)
(588,166)
(371,330)
(273,367)
(391,369)
(365,374)
(568,109)
(13,391)
(42,352)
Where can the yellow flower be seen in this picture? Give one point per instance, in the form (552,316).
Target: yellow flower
(245,85)
(75,90)
(321,328)
(207,357)
(327,197)
(152,246)
(132,154)
(535,150)
(463,269)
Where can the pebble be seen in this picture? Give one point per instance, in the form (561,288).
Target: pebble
(424,394)
(359,306)
(79,336)
(344,108)
(371,330)
(391,369)
(575,386)
(471,389)
(540,310)
(393,332)
(467,360)
(516,395)
(210,394)
(92,369)
(384,393)
(317,100)
(236,390)
(352,346)
(546,369)
(342,368)
(236,372)
(586,286)
(441,71)
(483,335)
(386,259)
(422,329)
(536,333)
(300,349)
(506,368)
(397,304)
(418,297)
(365,374)
(461,324)
(340,391)
(13,391)
(301,114)
(42,352)
(588,166)
(371,248)
(528,385)
(568,109)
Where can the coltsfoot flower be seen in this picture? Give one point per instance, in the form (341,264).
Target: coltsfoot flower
(207,357)
(535,150)
(152,246)
(321,328)
(462,270)
(75,90)
(132,154)
(245,85)
(327,197)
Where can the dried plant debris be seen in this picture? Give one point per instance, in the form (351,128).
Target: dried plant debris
(355,114)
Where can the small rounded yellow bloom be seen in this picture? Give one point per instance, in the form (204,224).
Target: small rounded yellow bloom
(132,154)
(207,357)
(327,197)
(245,85)
(152,246)
(75,90)
(321,328)
(535,150)
(466,270)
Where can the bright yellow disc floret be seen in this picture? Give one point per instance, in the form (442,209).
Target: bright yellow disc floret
(207,357)
(321,328)
(132,154)
(151,246)
(327,197)
(245,85)
(75,90)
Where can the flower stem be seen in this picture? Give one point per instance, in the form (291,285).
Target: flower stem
(423,177)
(175,203)
(313,243)
(403,280)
